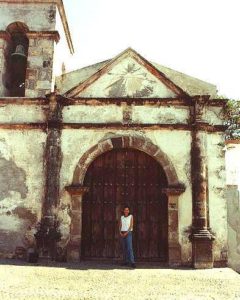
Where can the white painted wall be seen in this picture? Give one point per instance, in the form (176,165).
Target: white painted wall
(217,198)
(76,142)
(22,185)
(13,113)
(93,114)
(35,15)
(160,115)
(233,203)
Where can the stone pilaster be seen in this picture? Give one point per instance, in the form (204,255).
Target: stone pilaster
(74,245)
(4,40)
(40,63)
(53,156)
(202,239)
(174,247)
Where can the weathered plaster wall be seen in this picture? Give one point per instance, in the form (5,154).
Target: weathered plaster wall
(214,115)
(115,114)
(159,115)
(37,16)
(21,187)
(93,114)
(216,189)
(233,163)
(76,142)
(233,203)
(233,208)
(12,113)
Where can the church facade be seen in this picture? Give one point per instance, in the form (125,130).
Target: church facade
(78,147)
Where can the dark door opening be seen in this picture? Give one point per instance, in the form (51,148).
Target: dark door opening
(118,177)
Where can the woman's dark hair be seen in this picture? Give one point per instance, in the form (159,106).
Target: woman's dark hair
(126,206)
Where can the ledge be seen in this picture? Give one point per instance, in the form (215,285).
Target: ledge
(76,189)
(35,34)
(174,190)
(54,35)
(117,126)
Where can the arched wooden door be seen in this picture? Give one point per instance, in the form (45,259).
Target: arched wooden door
(118,177)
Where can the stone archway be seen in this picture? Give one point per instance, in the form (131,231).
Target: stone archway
(174,189)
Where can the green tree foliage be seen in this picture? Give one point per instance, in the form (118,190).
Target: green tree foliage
(232,115)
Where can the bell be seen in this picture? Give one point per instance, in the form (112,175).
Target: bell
(19,51)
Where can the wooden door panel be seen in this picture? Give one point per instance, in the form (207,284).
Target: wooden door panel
(119,177)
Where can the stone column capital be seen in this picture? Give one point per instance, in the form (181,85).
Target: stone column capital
(76,190)
(198,108)
(174,190)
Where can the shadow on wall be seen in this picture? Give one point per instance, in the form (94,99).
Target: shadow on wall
(233,209)
(14,218)
(12,178)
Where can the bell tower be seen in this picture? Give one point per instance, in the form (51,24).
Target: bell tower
(28,37)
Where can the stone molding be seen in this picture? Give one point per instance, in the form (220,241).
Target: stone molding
(54,35)
(127,141)
(77,190)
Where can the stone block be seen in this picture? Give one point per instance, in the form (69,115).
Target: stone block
(46,45)
(33,43)
(31,93)
(138,143)
(73,253)
(31,84)
(106,145)
(202,253)
(117,142)
(35,61)
(126,141)
(45,75)
(43,93)
(151,149)
(35,51)
(43,84)
(174,254)
(31,73)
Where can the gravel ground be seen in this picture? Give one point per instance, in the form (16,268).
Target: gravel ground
(91,280)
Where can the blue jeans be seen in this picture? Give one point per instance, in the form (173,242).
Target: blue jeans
(127,248)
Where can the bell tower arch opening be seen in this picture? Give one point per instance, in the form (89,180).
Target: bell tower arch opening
(16,59)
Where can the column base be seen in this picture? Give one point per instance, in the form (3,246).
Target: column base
(202,249)
(73,253)
(174,255)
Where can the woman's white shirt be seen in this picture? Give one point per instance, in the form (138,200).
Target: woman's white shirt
(126,221)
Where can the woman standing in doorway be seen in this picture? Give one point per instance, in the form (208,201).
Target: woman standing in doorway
(126,229)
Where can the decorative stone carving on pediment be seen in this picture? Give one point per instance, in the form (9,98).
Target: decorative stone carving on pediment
(127,76)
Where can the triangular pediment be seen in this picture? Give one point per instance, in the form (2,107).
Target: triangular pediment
(128,75)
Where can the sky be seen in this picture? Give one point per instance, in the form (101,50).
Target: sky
(198,37)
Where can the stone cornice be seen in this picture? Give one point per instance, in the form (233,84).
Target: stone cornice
(228,142)
(109,101)
(22,101)
(54,35)
(116,126)
(138,102)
